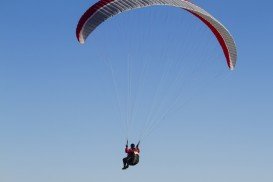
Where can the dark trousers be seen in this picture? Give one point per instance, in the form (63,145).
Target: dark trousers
(126,161)
(130,160)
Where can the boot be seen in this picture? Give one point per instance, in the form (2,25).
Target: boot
(125,167)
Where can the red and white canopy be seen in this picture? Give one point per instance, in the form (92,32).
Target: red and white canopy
(104,9)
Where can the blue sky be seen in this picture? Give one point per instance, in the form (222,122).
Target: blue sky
(59,118)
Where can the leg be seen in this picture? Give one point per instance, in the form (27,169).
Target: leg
(125,163)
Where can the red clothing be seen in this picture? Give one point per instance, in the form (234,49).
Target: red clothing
(132,151)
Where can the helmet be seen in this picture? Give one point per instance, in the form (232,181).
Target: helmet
(132,145)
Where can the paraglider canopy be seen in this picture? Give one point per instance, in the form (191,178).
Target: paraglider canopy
(104,9)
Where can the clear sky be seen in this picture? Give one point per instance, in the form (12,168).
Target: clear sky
(59,111)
